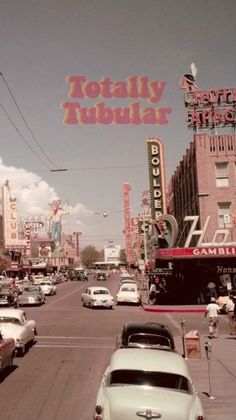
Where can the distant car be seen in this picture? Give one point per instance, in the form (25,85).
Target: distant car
(101,276)
(146,335)
(14,324)
(48,288)
(127,280)
(6,296)
(139,384)
(95,296)
(7,352)
(128,293)
(31,295)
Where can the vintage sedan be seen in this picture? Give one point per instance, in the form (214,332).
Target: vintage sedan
(7,352)
(14,324)
(139,383)
(31,295)
(128,293)
(48,287)
(101,276)
(95,296)
(146,335)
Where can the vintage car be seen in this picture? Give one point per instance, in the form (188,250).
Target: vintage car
(101,276)
(6,296)
(138,384)
(31,295)
(146,335)
(127,280)
(95,296)
(128,293)
(14,324)
(48,287)
(7,352)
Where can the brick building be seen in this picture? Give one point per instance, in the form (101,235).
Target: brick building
(204,184)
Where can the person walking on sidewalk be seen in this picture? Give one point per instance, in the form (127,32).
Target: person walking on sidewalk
(230,312)
(212,312)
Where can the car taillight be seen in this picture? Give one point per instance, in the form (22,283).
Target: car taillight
(98,411)
(200,418)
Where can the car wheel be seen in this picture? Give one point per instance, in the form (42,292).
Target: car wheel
(22,350)
(35,331)
(110,307)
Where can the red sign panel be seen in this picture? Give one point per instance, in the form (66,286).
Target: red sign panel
(208,252)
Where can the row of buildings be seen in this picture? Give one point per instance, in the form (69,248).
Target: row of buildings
(190,234)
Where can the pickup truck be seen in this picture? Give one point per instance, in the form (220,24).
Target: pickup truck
(7,352)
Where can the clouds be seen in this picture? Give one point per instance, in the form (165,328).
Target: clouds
(33,195)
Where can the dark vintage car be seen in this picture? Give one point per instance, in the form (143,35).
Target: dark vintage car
(6,297)
(101,276)
(7,352)
(146,335)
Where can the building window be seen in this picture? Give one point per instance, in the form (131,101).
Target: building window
(224,215)
(222,176)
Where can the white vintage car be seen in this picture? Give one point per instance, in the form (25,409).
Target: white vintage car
(128,293)
(95,296)
(148,384)
(48,287)
(14,324)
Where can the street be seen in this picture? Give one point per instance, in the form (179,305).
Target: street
(59,376)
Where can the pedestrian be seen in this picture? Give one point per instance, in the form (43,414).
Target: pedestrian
(212,312)
(212,289)
(152,294)
(230,313)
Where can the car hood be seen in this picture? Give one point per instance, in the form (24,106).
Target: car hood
(125,402)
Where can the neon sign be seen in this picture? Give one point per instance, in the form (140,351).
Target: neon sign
(211,108)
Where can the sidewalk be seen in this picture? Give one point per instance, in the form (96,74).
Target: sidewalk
(223,368)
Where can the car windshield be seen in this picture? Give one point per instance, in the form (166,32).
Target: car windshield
(128,289)
(100,292)
(31,289)
(149,378)
(151,340)
(10,320)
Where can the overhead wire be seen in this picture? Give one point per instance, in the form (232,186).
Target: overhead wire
(22,136)
(27,124)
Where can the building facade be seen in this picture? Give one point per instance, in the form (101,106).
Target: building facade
(204,184)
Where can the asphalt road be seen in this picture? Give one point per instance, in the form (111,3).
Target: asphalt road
(59,376)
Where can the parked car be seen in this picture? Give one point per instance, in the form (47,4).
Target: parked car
(146,335)
(7,352)
(101,276)
(14,324)
(48,288)
(138,384)
(128,293)
(31,295)
(95,296)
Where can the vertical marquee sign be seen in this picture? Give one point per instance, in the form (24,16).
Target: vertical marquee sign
(157,180)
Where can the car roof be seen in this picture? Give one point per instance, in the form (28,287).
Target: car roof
(92,288)
(149,360)
(148,328)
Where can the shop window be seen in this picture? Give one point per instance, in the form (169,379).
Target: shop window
(222,176)
(224,215)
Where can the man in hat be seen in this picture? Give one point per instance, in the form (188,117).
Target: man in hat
(212,312)
(230,312)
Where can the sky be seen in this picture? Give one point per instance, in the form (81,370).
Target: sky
(43,42)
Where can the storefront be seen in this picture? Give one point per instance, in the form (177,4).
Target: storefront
(190,270)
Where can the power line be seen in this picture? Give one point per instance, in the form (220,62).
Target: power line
(22,137)
(26,123)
